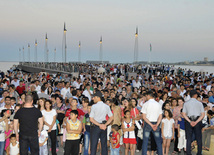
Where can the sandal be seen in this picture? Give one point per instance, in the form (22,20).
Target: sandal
(174,152)
(207,149)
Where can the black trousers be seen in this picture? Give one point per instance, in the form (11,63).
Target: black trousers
(176,141)
(25,142)
(72,147)
(52,136)
(198,136)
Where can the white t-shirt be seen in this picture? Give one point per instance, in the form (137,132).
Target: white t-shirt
(152,109)
(167,130)
(2,130)
(64,91)
(43,136)
(48,117)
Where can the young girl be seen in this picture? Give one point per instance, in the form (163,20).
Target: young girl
(129,135)
(13,148)
(115,140)
(167,130)
(8,134)
(43,148)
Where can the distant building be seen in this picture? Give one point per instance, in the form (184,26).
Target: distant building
(205,59)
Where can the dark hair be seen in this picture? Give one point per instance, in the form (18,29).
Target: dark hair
(74,112)
(180,98)
(164,104)
(150,93)
(43,88)
(59,98)
(126,112)
(49,93)
(75,100)
(74,92)
(39,106)
(12,136)
(7,97)
(85,99)
(169,112)
(13,98)
(115,127)
(50,104)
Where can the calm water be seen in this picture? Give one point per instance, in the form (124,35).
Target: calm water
(4,66)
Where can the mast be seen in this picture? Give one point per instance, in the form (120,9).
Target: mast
(46,48)
(101,50)
(23,50)
(35,53)
(64,45)
(28,52)
(79,54)
(136,46)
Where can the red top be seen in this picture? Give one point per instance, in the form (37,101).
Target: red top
(81,114)
(114,139)
(20,90)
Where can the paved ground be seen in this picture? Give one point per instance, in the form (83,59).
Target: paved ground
(211,152)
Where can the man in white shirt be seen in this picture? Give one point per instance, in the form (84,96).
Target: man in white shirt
(65,90)
(136,83)
(152,115)
(15,82)
(87,92)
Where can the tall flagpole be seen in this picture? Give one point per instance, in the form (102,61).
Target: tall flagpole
(55,55)
(79,54)
(46,48)
(150,48)
(28,52)
(20,55)
(136,46)
(64,45)
(101,50)
(35,54)
(23,50)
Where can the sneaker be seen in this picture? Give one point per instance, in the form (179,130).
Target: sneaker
(137,150)
(57,150)
(50,149)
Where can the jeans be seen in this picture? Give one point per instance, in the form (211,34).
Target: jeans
(52,136)
(26,141)
(2,145)
(86,142)
(95,134)
(157,136)
(198,136)
(115,151)
(43,150)
(72,147)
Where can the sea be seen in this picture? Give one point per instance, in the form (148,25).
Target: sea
(6,65)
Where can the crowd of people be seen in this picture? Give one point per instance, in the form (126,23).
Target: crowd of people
(146,110)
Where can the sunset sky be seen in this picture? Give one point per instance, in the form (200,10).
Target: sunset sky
(179,30)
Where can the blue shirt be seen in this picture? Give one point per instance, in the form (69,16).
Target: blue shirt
(212,121)
(211,99)
(182,124)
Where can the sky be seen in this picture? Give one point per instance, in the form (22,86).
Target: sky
(178,30)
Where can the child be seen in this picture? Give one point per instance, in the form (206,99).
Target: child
(115,140)
(74,129)
(167,130)
(13,148)
(181,134)
(43,148)
(8,134)
(129,135)
(86,128)
(3,128)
